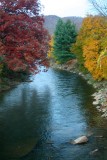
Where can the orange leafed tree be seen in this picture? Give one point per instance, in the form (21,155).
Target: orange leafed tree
(91,41)
(90,54)
(94,44)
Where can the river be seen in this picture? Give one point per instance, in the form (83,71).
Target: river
(38,120)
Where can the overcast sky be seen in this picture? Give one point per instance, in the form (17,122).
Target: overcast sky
(65,8)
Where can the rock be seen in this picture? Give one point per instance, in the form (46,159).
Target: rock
(104,110)
(98,107)
(98,97)
(94,151)
(104,115)
(95,102)
(80,140)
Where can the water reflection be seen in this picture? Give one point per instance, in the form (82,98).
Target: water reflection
(21,122)
(38,119)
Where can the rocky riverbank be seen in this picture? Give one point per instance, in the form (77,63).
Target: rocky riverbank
(100,99)
(100,96)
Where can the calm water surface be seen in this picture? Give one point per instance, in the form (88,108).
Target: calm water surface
(38,120)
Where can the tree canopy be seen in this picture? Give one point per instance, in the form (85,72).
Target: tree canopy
(23,39)
(64,36)
(90,46)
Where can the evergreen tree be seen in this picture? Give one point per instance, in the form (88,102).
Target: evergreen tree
(64,37)
(58,39)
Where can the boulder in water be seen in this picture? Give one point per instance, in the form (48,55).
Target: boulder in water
(80,140)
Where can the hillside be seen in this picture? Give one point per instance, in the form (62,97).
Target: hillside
(51,21)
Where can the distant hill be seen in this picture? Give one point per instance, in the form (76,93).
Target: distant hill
(51,21)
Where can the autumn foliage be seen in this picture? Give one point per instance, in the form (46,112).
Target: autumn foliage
(51,49)
(23,39)
(91,42)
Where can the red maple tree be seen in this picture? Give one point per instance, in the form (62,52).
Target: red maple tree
(23,39)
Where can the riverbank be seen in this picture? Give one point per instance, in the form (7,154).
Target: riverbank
(100,96)
(6,84)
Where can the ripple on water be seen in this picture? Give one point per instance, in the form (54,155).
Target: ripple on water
(39,119)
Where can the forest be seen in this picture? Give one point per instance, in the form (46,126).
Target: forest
(25,45)
(88,45)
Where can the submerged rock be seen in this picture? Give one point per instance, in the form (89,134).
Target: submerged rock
(80,140)
(94,151)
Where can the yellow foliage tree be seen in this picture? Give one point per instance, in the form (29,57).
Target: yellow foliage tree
(102,63)
(91,41)
(50,52)
(90,54)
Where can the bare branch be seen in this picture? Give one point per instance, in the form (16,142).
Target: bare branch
(100,6)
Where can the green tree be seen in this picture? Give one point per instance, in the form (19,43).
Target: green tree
(64,36)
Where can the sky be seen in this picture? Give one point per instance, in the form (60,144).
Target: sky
(63,8)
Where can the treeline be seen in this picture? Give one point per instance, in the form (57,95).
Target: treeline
(88,46)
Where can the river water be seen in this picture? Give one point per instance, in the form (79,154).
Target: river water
(38,120)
